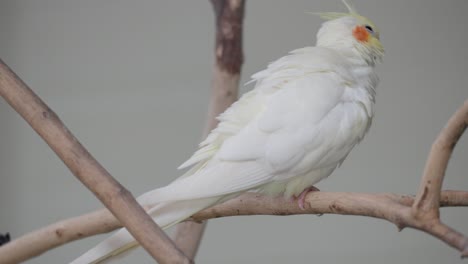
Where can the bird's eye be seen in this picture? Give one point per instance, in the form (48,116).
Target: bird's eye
(369,28)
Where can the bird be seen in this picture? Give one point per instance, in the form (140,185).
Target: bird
(306,112)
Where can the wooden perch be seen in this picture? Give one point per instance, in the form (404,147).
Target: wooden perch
(224,88)
(402,210)
(87,169)
(385,206)
(425,213)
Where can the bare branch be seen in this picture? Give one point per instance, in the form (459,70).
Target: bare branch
(39,241)
(428,197)
(188,237)
(392,207)
(87,169)
(226,74)
(229,17)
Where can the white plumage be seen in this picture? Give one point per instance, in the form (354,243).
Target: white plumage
(305,114)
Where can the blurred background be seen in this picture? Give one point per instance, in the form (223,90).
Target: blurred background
(131,79)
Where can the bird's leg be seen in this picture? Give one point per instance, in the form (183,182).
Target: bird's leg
(301,197)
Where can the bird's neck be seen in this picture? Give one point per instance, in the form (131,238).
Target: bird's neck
(365,81)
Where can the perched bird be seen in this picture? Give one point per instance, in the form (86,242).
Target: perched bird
(305,114)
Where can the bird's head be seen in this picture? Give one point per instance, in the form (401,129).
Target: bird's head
(351,33)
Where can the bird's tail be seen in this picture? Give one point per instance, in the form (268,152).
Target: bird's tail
(183,198)
(166,214)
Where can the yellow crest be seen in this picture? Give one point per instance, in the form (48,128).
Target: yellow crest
(334,15)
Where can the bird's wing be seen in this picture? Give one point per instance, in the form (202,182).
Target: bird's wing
(234,119)
(279,75)
(294,122)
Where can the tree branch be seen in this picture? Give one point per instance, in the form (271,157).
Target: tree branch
(428,197)
(392,207)
(425,210)
(226,75)
(87,169)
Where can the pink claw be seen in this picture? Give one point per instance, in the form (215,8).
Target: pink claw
(301,198)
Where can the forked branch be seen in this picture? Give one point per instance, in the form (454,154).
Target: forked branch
(428,197)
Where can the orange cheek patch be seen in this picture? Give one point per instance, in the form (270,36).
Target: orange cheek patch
(361,34)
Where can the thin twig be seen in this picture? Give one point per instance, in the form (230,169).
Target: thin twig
(87,169)
(226,75)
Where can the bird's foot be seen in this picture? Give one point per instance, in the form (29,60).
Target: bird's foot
(301,197)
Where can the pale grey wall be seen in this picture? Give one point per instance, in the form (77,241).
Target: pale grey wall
(131,80)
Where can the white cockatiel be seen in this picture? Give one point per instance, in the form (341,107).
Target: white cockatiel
(305,114)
